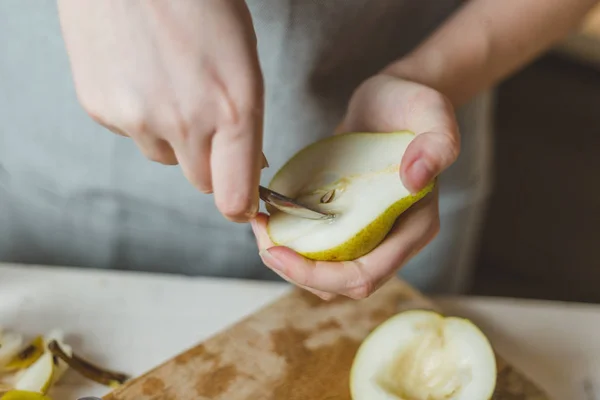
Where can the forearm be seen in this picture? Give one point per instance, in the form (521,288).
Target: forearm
(487,40)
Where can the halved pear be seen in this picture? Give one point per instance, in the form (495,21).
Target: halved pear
(354,176)
(39,376)
(422,355)
(10,345)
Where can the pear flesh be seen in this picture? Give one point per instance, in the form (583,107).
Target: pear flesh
(33,369)
(355,177)
(39,376)
(10,345)
(27,356)
(422,355)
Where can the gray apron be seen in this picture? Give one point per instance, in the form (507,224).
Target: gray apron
(74,194)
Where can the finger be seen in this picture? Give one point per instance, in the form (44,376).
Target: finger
(360,278)
(389,104)
(436,146)
(147,138)
(325,276)
(410,234)
(194,153)
(322,295)
(259,227)
(264,242)
(321,276)
(236,161)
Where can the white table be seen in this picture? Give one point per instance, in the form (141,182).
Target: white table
(134,321)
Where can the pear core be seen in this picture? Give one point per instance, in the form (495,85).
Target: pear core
(422,355)
(355,177)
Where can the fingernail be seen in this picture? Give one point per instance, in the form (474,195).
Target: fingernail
(253,211)
(265,161)
(419,174)
(271,260)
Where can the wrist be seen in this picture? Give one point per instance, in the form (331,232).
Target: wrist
(455,77)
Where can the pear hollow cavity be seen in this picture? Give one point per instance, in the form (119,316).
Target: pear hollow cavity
(356,178)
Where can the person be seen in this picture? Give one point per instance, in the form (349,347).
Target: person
(211,89)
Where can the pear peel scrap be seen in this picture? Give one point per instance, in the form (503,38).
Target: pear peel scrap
(35,368)
(87,369)
(27,356)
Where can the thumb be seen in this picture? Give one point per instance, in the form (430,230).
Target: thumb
(426,157)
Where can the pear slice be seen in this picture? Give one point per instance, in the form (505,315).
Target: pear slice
(355,177)
(39,376)
(422,355)
(10,345)
(26,356)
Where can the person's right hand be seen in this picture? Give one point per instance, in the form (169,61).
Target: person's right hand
(182,79)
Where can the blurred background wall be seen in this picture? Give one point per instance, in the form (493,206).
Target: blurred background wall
(542,232)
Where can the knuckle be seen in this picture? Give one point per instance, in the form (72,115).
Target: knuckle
(133,116)
(136,124)
(444,150)
(453,146)
(361,285)
(180,125)
(362,291)
(123,112)
(91,108)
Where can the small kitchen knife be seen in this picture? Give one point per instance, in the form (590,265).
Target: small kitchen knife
(290,206)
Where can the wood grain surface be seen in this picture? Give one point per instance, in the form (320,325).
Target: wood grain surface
(297,348)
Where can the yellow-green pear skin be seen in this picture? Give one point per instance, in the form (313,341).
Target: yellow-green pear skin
(24,395)
(358,175)
(371,236)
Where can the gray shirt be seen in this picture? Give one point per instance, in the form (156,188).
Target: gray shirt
(72,193)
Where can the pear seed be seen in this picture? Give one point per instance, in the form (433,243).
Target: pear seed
(328,197)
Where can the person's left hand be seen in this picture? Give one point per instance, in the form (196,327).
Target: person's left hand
(381,104)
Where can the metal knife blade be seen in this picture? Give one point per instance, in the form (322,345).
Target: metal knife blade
(290,206)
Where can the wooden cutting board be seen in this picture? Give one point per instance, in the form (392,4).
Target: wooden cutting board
(297,348)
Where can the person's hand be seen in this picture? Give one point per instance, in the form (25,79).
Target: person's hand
(382,104)
(182,79)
